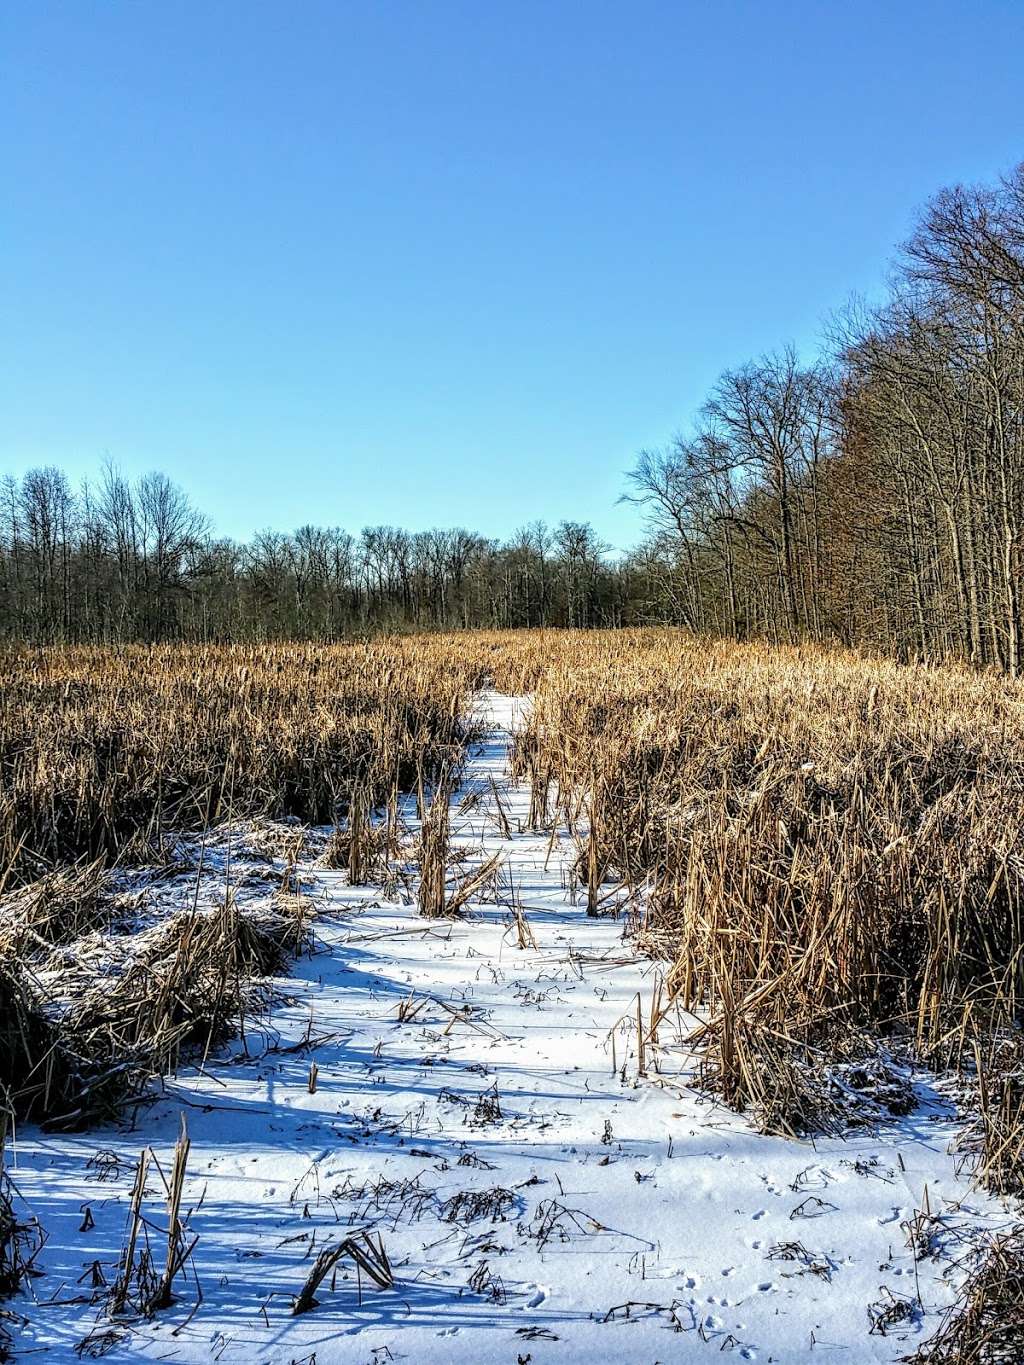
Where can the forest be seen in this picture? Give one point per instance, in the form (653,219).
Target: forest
(872,496)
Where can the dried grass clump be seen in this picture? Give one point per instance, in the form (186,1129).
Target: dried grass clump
(56,908)
(170,992)
(995,1138)
(359,845)
(799,1080)
(440,893)
(41,1071)
(986,1324)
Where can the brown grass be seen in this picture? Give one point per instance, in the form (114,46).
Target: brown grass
(112,755)
(827,849)
(821,844)
(107,751)
(986,1324)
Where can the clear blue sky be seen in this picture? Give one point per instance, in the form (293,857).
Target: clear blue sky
(432,262)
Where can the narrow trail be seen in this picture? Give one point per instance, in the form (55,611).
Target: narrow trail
(535,1204)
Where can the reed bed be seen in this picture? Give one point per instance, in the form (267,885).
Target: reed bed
(130,756)
(827,849)
(105,752)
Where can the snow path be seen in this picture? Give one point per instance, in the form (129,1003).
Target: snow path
(608,1191)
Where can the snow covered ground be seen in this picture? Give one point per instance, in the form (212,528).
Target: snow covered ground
(537,1200)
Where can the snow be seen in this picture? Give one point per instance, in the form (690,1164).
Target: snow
(608,1189)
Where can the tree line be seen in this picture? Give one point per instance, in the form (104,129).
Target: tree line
(119,560)
(874,496)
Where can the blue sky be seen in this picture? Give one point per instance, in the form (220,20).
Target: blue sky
(435,262)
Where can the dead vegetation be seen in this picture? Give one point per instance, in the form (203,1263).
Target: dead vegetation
(365,1249)
(108,752)
(154,1256)
(826,848)
(440,892)
(825,851)
(996,1136)
(177,989)
(828,851)
(111,757)
(21,1241)
(986,1324)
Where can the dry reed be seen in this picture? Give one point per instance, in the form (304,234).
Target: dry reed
(114,755)
(824,846)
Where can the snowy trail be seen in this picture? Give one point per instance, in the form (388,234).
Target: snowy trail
(594,1192)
